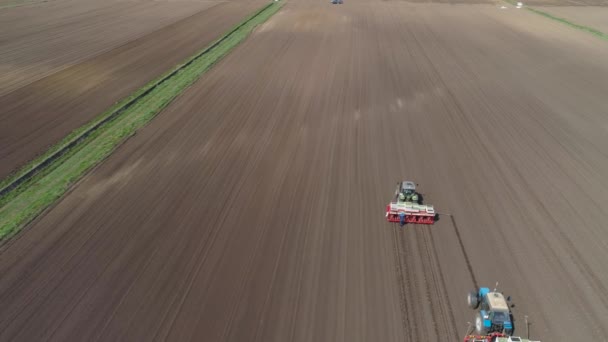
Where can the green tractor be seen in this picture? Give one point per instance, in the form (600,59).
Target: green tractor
(406,193)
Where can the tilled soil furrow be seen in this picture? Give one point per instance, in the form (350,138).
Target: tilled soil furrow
(428,285)
(402,284)
(447,315)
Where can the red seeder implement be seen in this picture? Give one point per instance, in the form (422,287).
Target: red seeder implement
(486,338)
(410,213)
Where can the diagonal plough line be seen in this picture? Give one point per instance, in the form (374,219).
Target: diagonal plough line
(43,181)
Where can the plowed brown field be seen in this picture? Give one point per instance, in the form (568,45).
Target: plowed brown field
(65,62)
(252,208)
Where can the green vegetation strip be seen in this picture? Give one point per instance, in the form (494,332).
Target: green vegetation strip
(31,197)
(593,31)
(15,4)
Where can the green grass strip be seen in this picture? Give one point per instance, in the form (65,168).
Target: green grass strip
(26,202)
(593,31)
(15,4)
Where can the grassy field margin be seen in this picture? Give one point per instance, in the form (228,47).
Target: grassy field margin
(591,30)
(95,141)
(565,21)
(16,4)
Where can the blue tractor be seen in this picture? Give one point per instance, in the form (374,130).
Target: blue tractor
(494,312)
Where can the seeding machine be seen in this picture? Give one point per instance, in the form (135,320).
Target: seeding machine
(407,206)
(495,337)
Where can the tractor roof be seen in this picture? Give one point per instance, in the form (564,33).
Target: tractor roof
(497,301)
(408,185)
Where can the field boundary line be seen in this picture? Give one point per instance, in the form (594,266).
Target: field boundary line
(25,194)
(564,21)
(567,22)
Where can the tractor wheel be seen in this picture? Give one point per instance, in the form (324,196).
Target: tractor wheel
(473,300)
(479,328)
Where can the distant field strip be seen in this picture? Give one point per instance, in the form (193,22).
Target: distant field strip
(13,4)
(591,30)
(28,192)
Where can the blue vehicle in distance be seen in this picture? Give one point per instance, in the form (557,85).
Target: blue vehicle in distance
(494,312)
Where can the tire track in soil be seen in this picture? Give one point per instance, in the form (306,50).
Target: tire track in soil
(403,283)
(442,316)
(464,251)
(423,252)
(448,320)
(432,292)
(409,259)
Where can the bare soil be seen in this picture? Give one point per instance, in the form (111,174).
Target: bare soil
(38,41)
